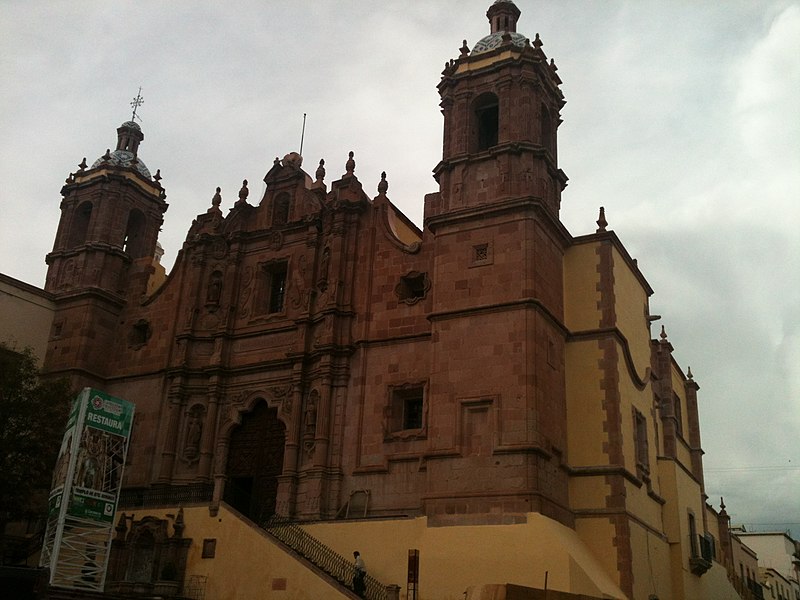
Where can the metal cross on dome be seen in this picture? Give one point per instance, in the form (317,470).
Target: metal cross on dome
(136,103)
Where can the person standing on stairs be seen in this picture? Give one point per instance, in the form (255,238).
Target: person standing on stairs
(359,587)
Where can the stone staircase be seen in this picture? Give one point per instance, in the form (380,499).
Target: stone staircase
(308,548)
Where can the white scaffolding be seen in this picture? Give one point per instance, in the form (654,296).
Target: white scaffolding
(86,486)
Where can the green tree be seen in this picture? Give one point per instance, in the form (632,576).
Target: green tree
(33,413)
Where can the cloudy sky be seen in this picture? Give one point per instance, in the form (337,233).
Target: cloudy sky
(682,119)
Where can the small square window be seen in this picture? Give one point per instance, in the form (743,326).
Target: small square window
(481,254)
(209,547)
(406,410)
(412,287)
(139,334)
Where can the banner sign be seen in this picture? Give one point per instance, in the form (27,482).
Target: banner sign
(86,485)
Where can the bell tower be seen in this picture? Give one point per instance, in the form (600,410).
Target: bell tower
(104,250)
(501,104)
(497,314)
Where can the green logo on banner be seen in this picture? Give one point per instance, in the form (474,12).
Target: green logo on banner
(87,504)
(109,414)
(54,504)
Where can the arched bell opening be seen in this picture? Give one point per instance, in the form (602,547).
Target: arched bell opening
(486,122)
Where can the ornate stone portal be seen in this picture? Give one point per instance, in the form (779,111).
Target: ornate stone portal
(255,460)
(145,559)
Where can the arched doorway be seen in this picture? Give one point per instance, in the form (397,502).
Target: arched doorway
(255,459)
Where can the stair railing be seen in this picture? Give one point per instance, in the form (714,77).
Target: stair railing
(320,555)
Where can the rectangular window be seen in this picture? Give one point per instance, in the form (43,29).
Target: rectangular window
(277,288)
(640,439)
(271,297)
(412,412)
(676,402)
(406,410)
(693,536)
(209,548)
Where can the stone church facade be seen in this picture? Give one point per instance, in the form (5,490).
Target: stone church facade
(314,354)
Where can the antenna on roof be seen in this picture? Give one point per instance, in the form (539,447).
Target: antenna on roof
(136,103)
(303,134)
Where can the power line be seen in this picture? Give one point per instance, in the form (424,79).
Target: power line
(771,468)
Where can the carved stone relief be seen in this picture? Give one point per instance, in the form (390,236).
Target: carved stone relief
(247,292)
(193,434)
(300,295)
(214,289)
(219,248)
(324,265)
(282,395)
(310,422)
(275,240)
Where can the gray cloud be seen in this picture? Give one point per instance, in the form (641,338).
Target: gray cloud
(681,120)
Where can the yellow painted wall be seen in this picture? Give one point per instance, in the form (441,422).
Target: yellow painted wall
(682,493)
(580,288)
(25,317)
(400,228)
(640,503)
(452,558)
(585,415)
(679,390)
(713,584)
(456,557)
(465,67)
(247,562)
(598,533)
(651,569)
(631,309)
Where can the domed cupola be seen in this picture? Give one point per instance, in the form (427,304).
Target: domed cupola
(503,15)
(129,136)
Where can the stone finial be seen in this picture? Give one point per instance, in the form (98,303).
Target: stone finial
(464,49)
(217,199)
(689,373)
(722,507)
(601,221)
(83,164)
(107,155)
(537,41)
(350,165)
(157,176)
(663,335)
(243,193)
(320,174)
(383,185)
(276,162)
(70,178)
(553,65)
